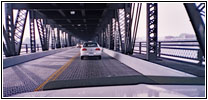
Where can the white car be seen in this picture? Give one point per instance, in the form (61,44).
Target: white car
(90,49)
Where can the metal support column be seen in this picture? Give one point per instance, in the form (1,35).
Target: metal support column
(48,31)
(116,37)
(53,38)
(121,26)
(32,32)
(111,35)
(58,42)
(128,43)
(119,43)
(194,14)
(104,37)
(62,39)
(69,39)
(9,31)
(65,39)
(41,31)
(108,35)
(152,29)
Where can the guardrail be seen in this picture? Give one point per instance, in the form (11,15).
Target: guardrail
(186,50)
(27,49)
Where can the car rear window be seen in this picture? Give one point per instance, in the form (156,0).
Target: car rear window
(90,45)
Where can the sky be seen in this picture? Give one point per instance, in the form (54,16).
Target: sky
(172,21)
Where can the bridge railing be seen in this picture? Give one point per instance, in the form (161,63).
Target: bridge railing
(26,48)
(188,51)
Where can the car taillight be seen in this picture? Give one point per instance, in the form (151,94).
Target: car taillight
(84,49)
(97,49)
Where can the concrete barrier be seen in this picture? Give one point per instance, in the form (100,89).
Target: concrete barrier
(10,61)
(145,67)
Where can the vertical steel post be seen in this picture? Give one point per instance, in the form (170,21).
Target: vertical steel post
(108,35)
(140,47)
(200,56)
(69,39)
(102,38)
(37,47)
(32,32)
(159,49)
(53,38)
(65,39)
(116,34)
(9,31)
(26,48)
(62,39)
(111,35)
(120,18)
(128,43)
(58,42)
(48,36)
(152,29)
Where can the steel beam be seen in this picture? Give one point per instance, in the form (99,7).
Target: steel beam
(111,35)
(32,32)
(122,27)
(48,32)
(43,34)
(69,39)
(65,37)
(108,36)
(53,38)
(6,52)
(9,31)
(104,38)
(47,7)
(6,48)
(58,42)
(121,47)
(19,27)
(116,35)
(128,20)
(136,22)
(152,29)
(197,23)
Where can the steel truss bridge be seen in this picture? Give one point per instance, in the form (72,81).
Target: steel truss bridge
(63,25)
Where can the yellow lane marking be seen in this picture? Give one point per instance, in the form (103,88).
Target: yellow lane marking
(57,73)
(66,66)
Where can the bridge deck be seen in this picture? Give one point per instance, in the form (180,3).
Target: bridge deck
(33,75)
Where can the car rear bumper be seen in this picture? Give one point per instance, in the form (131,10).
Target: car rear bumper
(88,54)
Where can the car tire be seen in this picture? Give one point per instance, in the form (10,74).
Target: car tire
(82,57)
